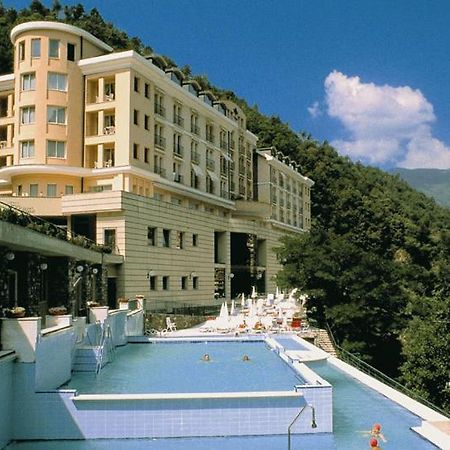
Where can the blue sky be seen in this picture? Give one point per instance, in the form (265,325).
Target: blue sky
(370,76)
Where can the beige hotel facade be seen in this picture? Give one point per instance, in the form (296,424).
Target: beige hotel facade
(130,153)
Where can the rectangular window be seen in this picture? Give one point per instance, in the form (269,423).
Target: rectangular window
(56,149)
(27,149)
(29,81)
(151,236)
(53,48)
(180,240)
(146,154)
(136,117)
(109,237)
(146,121)
(184,283)
(166,238)
(135,151)
(136,84)
(68,189)
(71,52)
(57,81)
(51,190)
(34,190)
(165,283)
(153,283)
(147,90)
(195,240)
(22,51)
(195,282)
(27,115)
(56,114)
(35,48)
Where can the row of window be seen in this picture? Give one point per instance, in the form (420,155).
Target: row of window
(55,149)
(167,235)
(54,49)
(55,81)
(55,115)
(51,190)
(165,283)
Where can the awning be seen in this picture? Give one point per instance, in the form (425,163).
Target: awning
(198,170)
(213,176)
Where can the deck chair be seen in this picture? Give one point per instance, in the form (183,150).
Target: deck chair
(170,326)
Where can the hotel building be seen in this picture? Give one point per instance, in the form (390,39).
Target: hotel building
(129,152)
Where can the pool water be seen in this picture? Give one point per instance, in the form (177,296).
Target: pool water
(174,367)
(289,343)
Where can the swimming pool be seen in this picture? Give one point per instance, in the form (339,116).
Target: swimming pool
(289,343)
(178,368)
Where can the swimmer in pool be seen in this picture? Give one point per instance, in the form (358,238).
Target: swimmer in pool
(206,357)
(245,358)
(373,443)
(375,432)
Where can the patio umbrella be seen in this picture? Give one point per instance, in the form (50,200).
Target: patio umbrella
(254,294)
(243,301)
(233,307)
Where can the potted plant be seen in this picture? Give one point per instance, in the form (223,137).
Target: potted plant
(57,310)
(15,313)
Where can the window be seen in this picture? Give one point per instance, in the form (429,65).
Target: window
(151,236)
(184,283)
(195,240)
(152,283)
(159,104)
(137,83)
(53,48)
(27,115)
(56,114)
(165,283)
(136,117)
(34,190)
(195,282)
(56,149)
(146,154)
(35,48)
(146,121)
(19,190)
(68,189)
(27,149)
(109,237)
(22,51)
(180,240)
(51,190)
(147,90)
(166,238)
(71,52)
(135,151)
(29,81)
(57,81)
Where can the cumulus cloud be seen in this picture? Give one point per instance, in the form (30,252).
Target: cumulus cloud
(386,125)
(315,110)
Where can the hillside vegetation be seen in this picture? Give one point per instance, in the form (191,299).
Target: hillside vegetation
(376,263)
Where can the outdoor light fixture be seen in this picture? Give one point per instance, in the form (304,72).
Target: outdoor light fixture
(151,273)
(231,276)
(10,256)
(43,266)
(191,275)
(95,271)
(80,269)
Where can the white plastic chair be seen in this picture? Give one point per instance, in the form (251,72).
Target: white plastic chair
(171,326)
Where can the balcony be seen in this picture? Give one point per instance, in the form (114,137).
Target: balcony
(109,130)
(160,171)
(160,141)
(160,110)
(195,157)
(3,144)
(178,150)
(195,129)
(178,178)
(210,164)
(178,120)
(105,164)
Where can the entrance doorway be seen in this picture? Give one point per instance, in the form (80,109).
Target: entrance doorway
(112,293)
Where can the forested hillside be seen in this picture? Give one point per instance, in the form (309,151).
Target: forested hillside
(376,263)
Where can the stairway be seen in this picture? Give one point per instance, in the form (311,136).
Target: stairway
(323,341)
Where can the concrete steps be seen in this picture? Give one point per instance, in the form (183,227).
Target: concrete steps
(324,342)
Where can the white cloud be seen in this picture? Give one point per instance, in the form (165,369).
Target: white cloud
(315,110)
(385,124)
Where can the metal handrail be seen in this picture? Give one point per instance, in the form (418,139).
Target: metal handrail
(353,360)
(313,422)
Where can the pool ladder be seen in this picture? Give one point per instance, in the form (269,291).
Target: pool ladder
(106,345)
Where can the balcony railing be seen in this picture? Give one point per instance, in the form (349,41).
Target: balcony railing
(160,171)
(178,150)
(160,110)
(109,130)
(195,157)
(160,141)
(210,164)
(195,129)
(178,120)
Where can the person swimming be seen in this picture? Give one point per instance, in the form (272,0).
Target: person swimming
(245,358)
(206,357)
(373,443)
(375,432)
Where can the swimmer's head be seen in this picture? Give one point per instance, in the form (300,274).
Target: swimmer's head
(206,357)
(373,443)
(376,427)
(245,358)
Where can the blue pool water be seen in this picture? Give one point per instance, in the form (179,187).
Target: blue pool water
(173,367)
(289,343)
